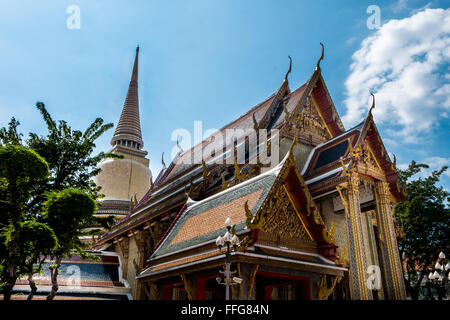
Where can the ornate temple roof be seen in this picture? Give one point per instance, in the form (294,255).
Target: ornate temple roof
(98,279)
(203,221)
(326,155)
(191,237)
(129,126)
(272,113)
(330,161)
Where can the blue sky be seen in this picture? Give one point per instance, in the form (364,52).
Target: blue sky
(213,60)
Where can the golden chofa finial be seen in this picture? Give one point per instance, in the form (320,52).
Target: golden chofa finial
(321,57)
(294,142)
(373,103)
(290,69)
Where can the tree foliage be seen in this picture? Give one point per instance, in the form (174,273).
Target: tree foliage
(69,155)
(68,152)
(10,135)
(66,212)
(47,195)
(425,219)
(22,171)
(67,219)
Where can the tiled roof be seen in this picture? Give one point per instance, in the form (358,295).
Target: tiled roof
(82,278)
(177,167)
(204,220)
(243,122)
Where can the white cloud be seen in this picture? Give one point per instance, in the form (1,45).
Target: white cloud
(405,64)
(436,163)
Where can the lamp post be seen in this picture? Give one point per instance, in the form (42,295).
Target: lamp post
(229,240)
(441,274)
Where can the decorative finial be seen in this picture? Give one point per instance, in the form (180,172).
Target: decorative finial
(321,57)
(206,174)
(344,168)
(255,123)
(294,142)
(180,150)
(186,193)
(236,167)
(290,68)
(286,112)
(373,103)
(137,48)
(224,182)
(162,161)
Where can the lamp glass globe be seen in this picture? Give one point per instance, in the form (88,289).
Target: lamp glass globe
(227,237)
(219,241)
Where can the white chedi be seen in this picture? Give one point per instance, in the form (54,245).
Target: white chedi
(122,179)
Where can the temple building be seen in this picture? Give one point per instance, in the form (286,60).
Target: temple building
(317,223)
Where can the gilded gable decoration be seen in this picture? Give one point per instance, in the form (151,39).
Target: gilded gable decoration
(310,122)
(282,221)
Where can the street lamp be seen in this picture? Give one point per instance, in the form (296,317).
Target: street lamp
(441,274)
(229,240)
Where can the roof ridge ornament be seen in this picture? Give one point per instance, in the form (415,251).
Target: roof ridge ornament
(294,142)
(373,104)
(321,57)
(255,123)
(162,161)
(180,150)
(290,69)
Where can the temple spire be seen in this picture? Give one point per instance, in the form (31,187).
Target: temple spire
(128,130)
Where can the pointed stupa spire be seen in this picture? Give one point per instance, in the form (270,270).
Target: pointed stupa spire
(128,131)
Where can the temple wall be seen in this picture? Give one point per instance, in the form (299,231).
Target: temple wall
(328,211)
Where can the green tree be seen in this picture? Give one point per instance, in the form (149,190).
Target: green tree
(67,212)
(22,171)
(69,155)
(425,220)
(10,135)
(37,241)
